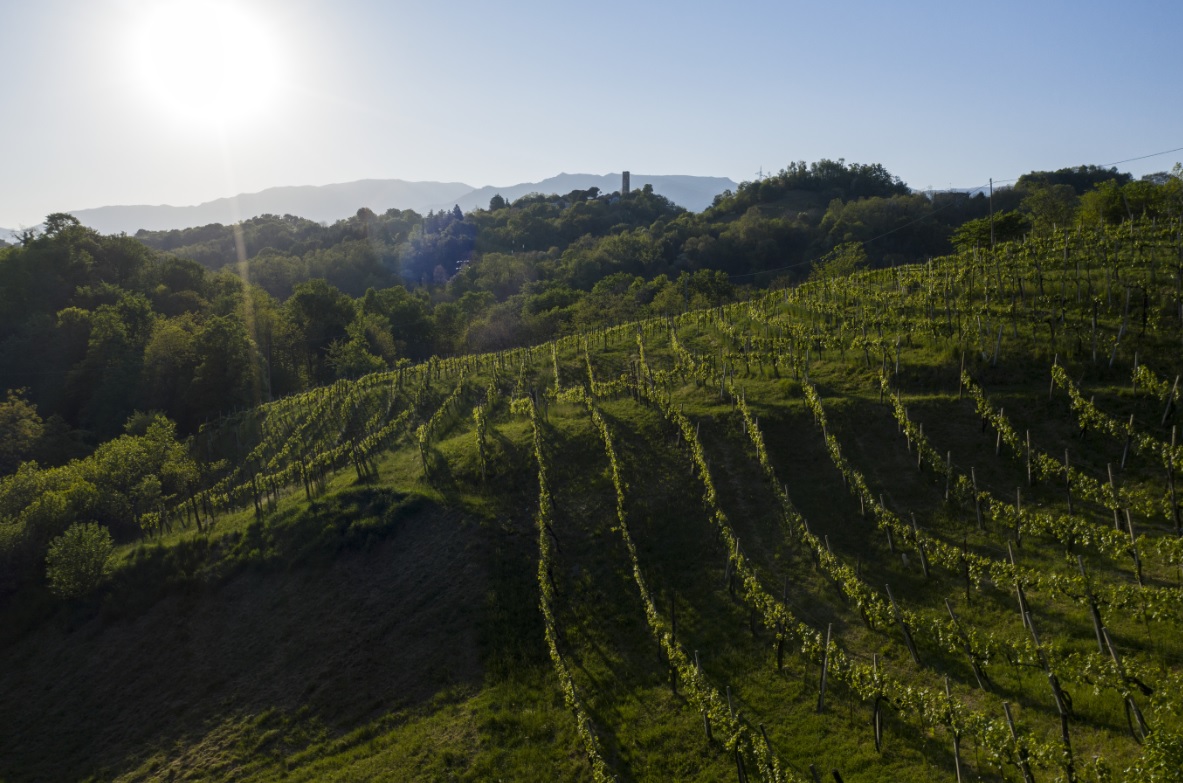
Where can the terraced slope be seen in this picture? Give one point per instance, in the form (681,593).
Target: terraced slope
(919,523)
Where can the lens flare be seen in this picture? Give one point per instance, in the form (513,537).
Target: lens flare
(208,63)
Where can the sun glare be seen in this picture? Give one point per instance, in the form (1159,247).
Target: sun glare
(208,63)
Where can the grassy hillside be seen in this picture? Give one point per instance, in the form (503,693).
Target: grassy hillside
(914,524)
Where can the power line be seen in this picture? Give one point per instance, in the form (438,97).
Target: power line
(1144,157)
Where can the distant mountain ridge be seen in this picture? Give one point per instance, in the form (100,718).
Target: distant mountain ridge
(316,202)
(328,203)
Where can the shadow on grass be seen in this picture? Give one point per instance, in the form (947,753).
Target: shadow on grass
(324,618)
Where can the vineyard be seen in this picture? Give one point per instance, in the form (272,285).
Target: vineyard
(920,523)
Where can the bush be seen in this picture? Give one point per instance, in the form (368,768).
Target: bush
(79,560)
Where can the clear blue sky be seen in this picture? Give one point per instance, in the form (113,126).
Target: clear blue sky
(944,94)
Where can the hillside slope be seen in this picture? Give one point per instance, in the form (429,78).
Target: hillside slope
(909,524)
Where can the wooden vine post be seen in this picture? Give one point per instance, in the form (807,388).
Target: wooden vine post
(1098,626)
(821,697)
(1171,483)
(1020,751)
(974,664)
(877,714)
(1063,703)
(899,618)
(953,730)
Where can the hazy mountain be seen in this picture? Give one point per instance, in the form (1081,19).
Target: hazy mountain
(328,203)
(320,203)
(693,193)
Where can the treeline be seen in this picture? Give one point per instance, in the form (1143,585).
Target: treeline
(768,228)
(401,246)
(197,322)
(94,329)
(1043,201)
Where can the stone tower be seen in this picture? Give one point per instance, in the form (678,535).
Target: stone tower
(624,184)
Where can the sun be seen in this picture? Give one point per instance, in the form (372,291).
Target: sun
(208,63)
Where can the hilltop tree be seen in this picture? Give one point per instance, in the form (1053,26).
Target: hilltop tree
(1081,179)
(1052,206)
(59,222)
(830,179)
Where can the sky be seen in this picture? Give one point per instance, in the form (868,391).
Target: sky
(182,101)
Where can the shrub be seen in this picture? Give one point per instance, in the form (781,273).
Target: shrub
(79,560)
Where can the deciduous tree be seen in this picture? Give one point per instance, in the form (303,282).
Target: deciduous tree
(79,560)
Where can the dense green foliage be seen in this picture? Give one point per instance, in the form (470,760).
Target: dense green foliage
(21,431)
(127,484)
(96,328)
(79,560)
(891,522)
(200,322)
